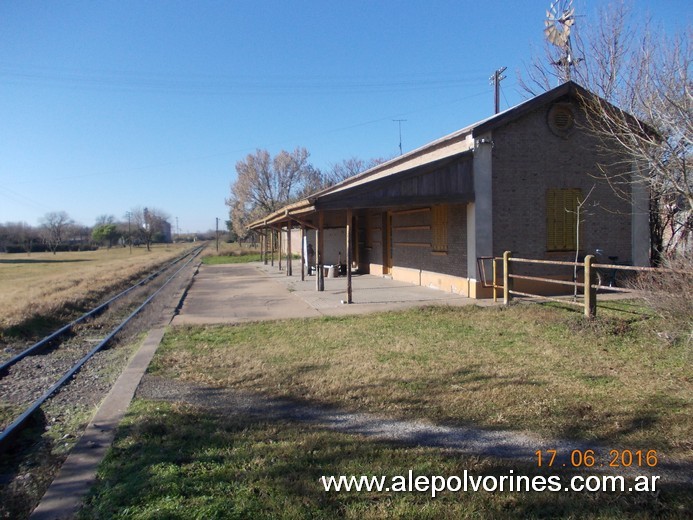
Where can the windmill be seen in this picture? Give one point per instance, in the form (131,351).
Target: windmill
(559,19)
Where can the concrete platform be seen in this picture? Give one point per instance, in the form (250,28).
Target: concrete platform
(238,293)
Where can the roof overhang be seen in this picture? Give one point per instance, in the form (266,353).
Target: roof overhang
(288,213)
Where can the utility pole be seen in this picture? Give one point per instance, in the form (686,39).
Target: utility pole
(400,121)
(129,233)
(495,81)
(217,234)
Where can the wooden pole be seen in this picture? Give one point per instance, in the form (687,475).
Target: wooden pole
(319,275)
(280,246)
(349,231)
(507,281)
(303,253)
(289,260)
(262,246)
(590,291)
(271,231)
(267,235)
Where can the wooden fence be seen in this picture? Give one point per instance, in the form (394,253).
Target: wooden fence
(589,287)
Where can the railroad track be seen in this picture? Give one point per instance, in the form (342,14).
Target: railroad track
(24,387)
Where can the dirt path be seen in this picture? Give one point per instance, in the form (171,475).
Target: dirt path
(503,444)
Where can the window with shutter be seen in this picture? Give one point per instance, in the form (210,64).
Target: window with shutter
(439,228)
(561,218)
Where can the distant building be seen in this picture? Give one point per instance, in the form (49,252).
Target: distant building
(166,232)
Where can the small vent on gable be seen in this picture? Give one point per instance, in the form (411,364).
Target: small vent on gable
(561,119)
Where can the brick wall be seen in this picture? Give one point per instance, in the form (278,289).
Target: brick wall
(528,159)
(411,238)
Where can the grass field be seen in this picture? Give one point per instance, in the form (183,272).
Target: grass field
(526,367)
(543,369)
(176,462)
(41,289)
(232,253)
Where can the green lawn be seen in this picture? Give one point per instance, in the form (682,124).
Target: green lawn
(534,367)
(231,259)
(538,368)
(176,462)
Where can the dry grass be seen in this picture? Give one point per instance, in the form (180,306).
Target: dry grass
(526,367)
(670,294)
(46,286)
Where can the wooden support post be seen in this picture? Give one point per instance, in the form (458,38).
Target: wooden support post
(319,275)
(590,291)
(495,281)
(280,246)
(317,260)
(349,240)
(289,260)
(271,231)
(507,281)
(303,253)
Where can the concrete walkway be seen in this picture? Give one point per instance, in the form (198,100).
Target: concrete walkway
(63,499)
(237,293)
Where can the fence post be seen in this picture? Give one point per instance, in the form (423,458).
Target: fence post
(507,281)
(495,281)
(590,291)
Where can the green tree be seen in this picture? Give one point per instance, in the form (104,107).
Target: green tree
(106,233)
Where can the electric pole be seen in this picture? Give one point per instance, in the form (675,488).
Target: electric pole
(400,121)
(217,234)
(495,81)
(129,233)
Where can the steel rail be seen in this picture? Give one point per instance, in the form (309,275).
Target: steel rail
(12,429)
(93,312)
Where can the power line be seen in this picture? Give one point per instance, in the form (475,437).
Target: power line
(226,84)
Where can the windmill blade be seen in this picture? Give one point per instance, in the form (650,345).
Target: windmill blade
(555,36)
(567,15)
(554,8)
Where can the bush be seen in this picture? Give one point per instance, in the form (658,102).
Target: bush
(670,293)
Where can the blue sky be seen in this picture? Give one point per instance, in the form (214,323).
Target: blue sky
(110,105)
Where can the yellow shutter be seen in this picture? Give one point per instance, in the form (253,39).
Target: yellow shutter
(439,228)
(561,218)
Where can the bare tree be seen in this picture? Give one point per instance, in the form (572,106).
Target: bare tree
(16,236)
(348,168)
(338,172)
(659,93)
(102,220)
(147,224)
(54,226)
(642,112)
(265,184)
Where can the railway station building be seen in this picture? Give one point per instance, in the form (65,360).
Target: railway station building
(519,181)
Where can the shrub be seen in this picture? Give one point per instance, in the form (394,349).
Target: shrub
(670,293)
